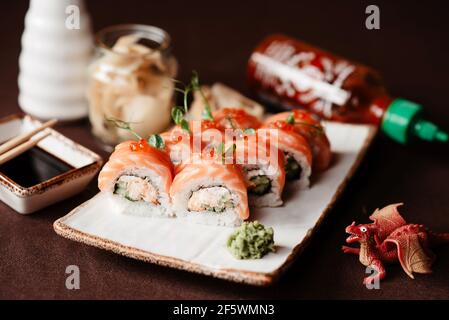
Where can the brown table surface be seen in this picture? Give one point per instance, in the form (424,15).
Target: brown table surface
(411,50)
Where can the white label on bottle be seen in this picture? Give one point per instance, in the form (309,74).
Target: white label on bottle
(289,72)
(302,81)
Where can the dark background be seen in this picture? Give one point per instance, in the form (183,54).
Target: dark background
(216,38)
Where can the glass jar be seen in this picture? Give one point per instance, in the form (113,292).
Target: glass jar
(130,79)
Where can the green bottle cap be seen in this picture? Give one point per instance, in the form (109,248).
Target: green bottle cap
(402,120)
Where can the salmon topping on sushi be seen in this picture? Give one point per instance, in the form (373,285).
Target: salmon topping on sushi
(230,118)
(296,151)
(305,124)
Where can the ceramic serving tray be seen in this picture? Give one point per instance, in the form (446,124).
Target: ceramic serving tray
(201,248)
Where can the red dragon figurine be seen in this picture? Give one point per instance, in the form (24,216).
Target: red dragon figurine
(390,239)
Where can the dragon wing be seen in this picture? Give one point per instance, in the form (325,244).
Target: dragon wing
(411,255)
(387,219)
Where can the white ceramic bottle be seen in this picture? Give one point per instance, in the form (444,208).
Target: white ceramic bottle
(57,45)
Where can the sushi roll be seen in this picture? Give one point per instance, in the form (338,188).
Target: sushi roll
(231,118)
(305,124)
(262,167)
(296,150)
(210,193)
(138,177)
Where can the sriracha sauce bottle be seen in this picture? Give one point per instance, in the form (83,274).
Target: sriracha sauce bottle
(291,74)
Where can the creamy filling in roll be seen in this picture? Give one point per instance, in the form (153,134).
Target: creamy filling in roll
(138,177)
(210,193)
(134,188)
(137,192)
(213,199)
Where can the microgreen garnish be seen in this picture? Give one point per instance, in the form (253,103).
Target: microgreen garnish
(225,152)
(178,112)
(220,148)
(290,118)
(318,129)
(185,125)
(231,150)
(156,141)
(123,125)
(206,114)
(249,131)
(195,86)
(231,122)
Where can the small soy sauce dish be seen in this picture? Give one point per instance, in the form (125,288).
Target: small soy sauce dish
(55,169)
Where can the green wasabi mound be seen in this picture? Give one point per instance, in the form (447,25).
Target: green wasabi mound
(252,240)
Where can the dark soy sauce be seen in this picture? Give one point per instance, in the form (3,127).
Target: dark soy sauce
(33,167)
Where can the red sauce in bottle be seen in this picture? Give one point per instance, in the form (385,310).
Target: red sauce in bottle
(289,74)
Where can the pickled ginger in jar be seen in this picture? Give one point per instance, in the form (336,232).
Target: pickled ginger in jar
(130,79)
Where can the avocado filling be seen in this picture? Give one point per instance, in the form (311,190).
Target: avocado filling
(252,240)
(259,185)
(292,168)
(213,199)
(135,188)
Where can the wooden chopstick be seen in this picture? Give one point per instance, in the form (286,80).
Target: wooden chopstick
(25,136)
(21,148)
